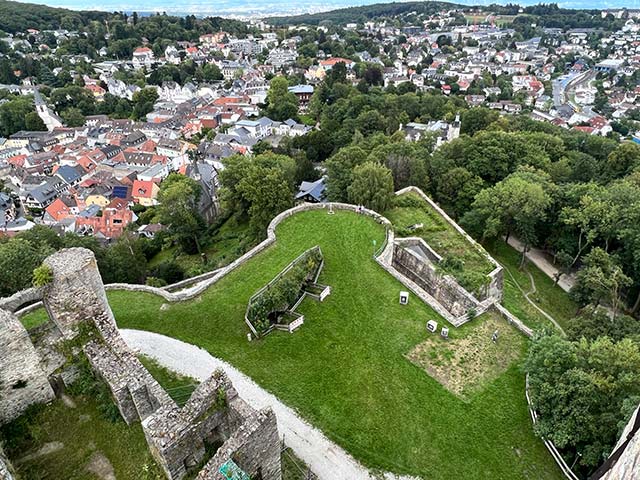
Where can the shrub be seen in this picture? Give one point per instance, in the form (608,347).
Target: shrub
(43,275)
(155,282)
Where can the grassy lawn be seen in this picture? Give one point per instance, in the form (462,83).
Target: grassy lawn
(177,386)
(345,369)
(551,298)
(469,360)
(34,319)
(410,210)
(61,442)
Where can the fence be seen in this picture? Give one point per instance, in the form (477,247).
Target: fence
(548,443)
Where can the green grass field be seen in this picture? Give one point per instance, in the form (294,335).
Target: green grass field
(60,441)
(345,369)
(550,297)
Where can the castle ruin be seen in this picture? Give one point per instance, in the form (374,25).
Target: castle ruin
(215,419)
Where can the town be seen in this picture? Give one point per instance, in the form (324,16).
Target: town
(161,177)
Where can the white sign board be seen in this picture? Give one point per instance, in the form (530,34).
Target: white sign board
(432,326)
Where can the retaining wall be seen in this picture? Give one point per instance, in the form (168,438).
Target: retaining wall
(495,287)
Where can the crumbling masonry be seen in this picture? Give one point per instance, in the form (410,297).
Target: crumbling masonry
(214,416)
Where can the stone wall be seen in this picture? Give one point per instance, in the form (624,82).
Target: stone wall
(214,415)
(18,299)
(76,294)
(496,284)
(443,288)
(255,448)
(628,464)
(6,470)
(79,312)
(22,380)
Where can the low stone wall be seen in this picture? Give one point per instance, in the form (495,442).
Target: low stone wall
(22,380)
(513,320)
(18,299)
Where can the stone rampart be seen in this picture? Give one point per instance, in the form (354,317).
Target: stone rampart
(443,288)
(495,287)
(23,382)
(214,415)
(255,448)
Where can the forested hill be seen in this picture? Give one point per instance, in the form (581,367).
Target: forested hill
(543,14)
(18,17)
(364,13)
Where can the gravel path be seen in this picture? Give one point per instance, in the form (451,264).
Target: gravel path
(540,260)
(326,459)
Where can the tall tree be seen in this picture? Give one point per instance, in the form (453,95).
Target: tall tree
(372,186)
(179,198)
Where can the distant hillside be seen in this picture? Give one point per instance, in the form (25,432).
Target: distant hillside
(363,13)
(17,17)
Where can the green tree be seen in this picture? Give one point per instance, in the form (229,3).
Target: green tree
(179,198)
(73,117)
(518,204)
(600,280)
(579,390)
(18,259)
(143,101)
(211,73)
(340,171)
(372,186)
(268,192)
(281,103)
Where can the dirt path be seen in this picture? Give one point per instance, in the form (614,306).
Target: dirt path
(531,302)
(326,459)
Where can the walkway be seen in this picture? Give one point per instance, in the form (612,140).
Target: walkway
(539,259)
(326,459)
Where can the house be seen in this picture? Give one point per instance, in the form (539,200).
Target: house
(303,93)
(145,192)
(142,57)
(313,192)
(329,63)
(70,175)
(44,194)
(112,221)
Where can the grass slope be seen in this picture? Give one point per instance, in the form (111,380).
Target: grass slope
(345,369)
(550,297)
(84,432)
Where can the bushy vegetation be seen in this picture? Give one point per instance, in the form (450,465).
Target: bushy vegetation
(283,291)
